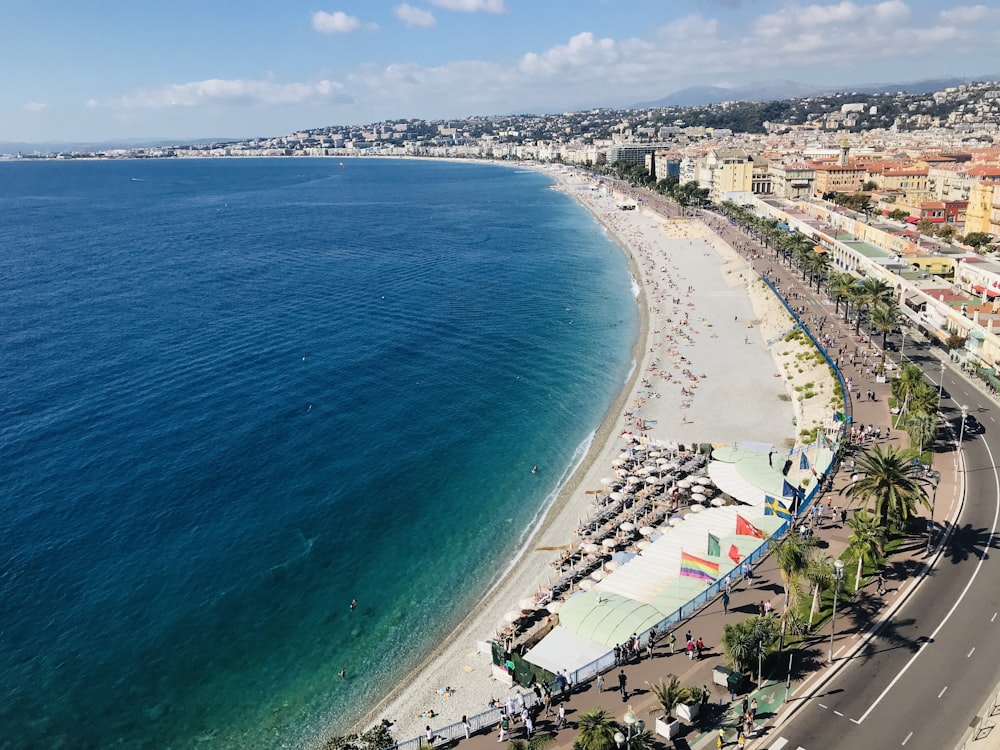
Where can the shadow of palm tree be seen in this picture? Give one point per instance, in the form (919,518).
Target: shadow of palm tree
(893,636)
(967,542)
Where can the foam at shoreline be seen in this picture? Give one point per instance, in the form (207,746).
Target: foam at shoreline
(660,253)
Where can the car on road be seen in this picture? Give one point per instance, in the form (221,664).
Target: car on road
(972,425)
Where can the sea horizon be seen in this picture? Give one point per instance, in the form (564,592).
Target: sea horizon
(246,392)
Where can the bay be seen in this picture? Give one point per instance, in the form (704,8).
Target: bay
(239,394)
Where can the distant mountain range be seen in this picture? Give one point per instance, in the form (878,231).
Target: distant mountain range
(765,91)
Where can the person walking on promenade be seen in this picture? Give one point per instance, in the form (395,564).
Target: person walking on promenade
(561,717)
(529,726)
(547,702)
(725,603)
(467,727)
(622,682)
(504,729)
(672,641)
(600,682)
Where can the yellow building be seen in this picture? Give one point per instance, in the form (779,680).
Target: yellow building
(730,171)
(977,214)
(837,178)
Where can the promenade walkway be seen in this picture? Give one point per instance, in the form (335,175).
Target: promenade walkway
(783,688)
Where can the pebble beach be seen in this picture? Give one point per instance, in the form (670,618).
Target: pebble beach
(703,373)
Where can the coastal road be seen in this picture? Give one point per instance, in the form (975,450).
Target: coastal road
(919,682)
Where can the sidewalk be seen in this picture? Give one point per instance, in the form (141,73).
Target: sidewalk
(781,694)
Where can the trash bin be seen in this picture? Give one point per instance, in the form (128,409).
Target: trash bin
(720,676)
(734,681)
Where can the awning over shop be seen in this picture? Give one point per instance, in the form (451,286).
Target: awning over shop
(563,649)
(979,288)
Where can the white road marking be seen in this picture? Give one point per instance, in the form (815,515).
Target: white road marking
(779,743)
(837,712)
(965,591)
(994,617)
(907,738)
(942,691)
(821,705)
(971,652)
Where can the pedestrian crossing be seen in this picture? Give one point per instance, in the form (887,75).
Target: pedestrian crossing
(779,743)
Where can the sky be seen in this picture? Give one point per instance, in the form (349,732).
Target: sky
(106,70)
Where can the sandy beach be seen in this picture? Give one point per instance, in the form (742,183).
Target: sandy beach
(704,374)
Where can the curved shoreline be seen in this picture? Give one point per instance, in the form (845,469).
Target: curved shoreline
(552,520)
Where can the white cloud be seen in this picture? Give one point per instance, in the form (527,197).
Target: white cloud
(472,6)
(964,14)
(35,107)
(215,91)
(337,22)
(414,16)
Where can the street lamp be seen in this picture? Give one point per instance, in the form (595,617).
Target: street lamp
(631,720)
(838,576)
(930,523)
(961,430)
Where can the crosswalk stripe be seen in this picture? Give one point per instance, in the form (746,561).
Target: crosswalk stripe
(779,743)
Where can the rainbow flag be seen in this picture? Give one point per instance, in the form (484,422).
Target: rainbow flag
(695,567)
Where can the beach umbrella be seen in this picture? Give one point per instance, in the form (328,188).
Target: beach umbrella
(654,454)
(644,471)
(634,480)
(697,508)
(684,484)
(653,480)
(528,603)
(597,576)
(615,496)
(646,530)
(610,543)
(627,526)
(511,617)
(718,502)
(698,496)
(662,462)
(587,584)
(589,548)
(622,556)
(643,544)
(607,481)
(611,566)
(676,520)
(554,607)
(617,462)
(702,480)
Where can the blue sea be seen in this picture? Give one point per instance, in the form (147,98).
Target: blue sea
(238,394)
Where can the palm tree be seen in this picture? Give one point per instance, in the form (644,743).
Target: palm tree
(873,292)
(839,284)
(914,393)
(792,556)
(857,298)
(596,731)
(819,572)
(749,640)
(866,542)
(884,318)
(890,483)
(820,266)
(669,692)
(920,426)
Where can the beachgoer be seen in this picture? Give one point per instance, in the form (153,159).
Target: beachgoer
(354,603)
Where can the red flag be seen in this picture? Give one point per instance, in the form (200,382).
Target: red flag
(745,528)
(734,554)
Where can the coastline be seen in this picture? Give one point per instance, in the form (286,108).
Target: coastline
(681,412)
(529,568)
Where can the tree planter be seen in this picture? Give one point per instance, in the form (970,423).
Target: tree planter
(668,729)
(688,712)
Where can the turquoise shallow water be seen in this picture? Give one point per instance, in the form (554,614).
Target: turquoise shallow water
(238,394)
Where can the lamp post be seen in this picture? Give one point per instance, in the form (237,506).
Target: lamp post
(930,523)
(630,720)
(961,430)
(838,576)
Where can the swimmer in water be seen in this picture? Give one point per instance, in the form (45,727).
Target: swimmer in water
(354,603)
(534,469)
